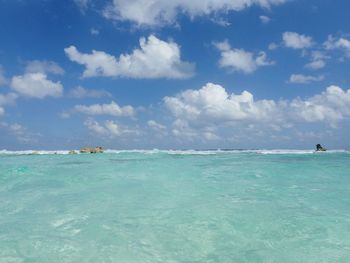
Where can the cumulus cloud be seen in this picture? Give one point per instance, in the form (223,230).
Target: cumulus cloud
(109,129)
(163,12)
(211,111)
(330,106)
(112,109)
(297,41)
(212,102)
(201,113)
(240,60)
(154,59)
(36,85)
(265,19)
(37,66)
(81,92)
(304,79)
(338,43)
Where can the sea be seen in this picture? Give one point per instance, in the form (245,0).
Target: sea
(189,206)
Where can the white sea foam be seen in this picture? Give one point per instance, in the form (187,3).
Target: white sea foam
(281,151)
(174,152)
(33,152)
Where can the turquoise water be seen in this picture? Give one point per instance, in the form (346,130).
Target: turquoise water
(140,207)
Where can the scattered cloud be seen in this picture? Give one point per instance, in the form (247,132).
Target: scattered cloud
(304,79)
(109,129)
(316,64)
(338,43)
(154,59)
(36,85)
(297,41)
(37,66)
(81,92)
(318,60)
(112,109)
(265,19)
(240,60)
(163,12)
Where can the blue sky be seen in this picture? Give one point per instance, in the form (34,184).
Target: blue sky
(174,74)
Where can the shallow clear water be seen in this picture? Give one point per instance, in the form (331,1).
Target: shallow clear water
(131,207)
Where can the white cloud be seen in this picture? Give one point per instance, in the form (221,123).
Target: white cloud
(36,85)
(338,43)
(240,60)
(212,102)
(164,12)
(112,109)
(3,79)
(304,79)
(158,130)
(316,64)
(207,112)
(318,60)
(37,66)
(330,106)
(98,63)
(297,41)
(154,59)
(211,110)
(109,129)
(155,125)
(81,92)
(265,19)
(2,111)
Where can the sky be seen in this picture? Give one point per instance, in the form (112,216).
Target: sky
(200,74)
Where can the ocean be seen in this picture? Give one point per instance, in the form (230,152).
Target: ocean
(175,206)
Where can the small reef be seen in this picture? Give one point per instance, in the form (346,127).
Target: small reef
(97,149)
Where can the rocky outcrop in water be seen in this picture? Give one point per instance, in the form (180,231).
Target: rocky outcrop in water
(97,149)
